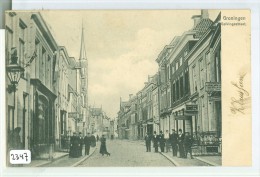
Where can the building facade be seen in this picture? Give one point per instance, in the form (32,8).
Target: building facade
(46,95)
(186,92)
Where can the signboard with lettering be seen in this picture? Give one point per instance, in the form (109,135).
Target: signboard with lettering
(191,110)
(72,115)
(215,98)
(193,107)
(213,87)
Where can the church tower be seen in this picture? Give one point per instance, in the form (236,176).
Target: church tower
(83,75)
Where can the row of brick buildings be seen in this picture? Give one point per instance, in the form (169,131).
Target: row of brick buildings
(50,101)
(185,93)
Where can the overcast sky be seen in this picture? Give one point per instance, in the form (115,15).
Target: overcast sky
(121,46)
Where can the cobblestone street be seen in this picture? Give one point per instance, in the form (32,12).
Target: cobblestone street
(126,154)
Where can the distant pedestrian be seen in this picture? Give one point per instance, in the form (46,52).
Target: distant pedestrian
(155,141)
(103,147)
(161,141)
(74,146)
(167,140)
(174,142)
(148,142)
(87,142)
(188,140)
(81,141)
(181,144)
(97,138)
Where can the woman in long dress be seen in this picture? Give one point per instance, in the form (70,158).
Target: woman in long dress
(103,147)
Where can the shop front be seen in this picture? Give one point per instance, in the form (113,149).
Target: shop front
(43,122)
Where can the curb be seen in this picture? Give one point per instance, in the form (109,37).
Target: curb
(208,162)
(50,161)
(85,158)
(170,159)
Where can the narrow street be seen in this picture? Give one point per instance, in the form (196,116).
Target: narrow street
(126,154)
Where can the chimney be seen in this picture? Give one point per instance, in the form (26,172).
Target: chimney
(196,19)
(204,14)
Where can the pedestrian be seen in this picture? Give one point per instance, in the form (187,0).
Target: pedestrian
(167,140)
(181,144)
(74,146)
(15,139)
(161,141)
(97,138)
(81,141)
(148,142)
(87,142)
(93,141)
(188,140)
(103,147)
(174,142)
(155,141)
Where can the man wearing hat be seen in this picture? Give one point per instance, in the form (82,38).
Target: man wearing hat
(81,141)
(161,141)
(87,142)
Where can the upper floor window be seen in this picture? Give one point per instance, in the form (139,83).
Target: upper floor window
(173,69)
(181,61)
(208,69)
(202,72)
(186,52)
(22,27)
(177,65)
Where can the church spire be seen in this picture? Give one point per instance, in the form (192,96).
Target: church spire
(83,55)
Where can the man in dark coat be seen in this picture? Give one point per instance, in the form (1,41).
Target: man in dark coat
(147,139)
(174,142)
(81,141)
(188,140)
(87,142)
(155,141)
(181,143)
(161,141)
(74,146)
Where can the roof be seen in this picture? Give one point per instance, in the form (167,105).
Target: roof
(125,104)
(201,27)
(96,111)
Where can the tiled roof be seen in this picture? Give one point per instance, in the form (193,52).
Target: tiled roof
(202,27)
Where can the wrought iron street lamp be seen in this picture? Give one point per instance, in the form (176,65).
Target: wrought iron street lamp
(14,74)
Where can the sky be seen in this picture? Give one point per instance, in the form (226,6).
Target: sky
(121,46)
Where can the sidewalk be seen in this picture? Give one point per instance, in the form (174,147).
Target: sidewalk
(212,160)
(56,156)
(61,159)
(197,161)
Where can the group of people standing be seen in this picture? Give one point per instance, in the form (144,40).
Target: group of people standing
(77,142)
(179,142)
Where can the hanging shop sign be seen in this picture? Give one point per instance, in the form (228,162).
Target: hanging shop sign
(213,87)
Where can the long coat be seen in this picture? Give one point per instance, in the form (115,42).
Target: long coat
(74,146)
(147,139)
(155,140)
(181,145)
(103,147)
